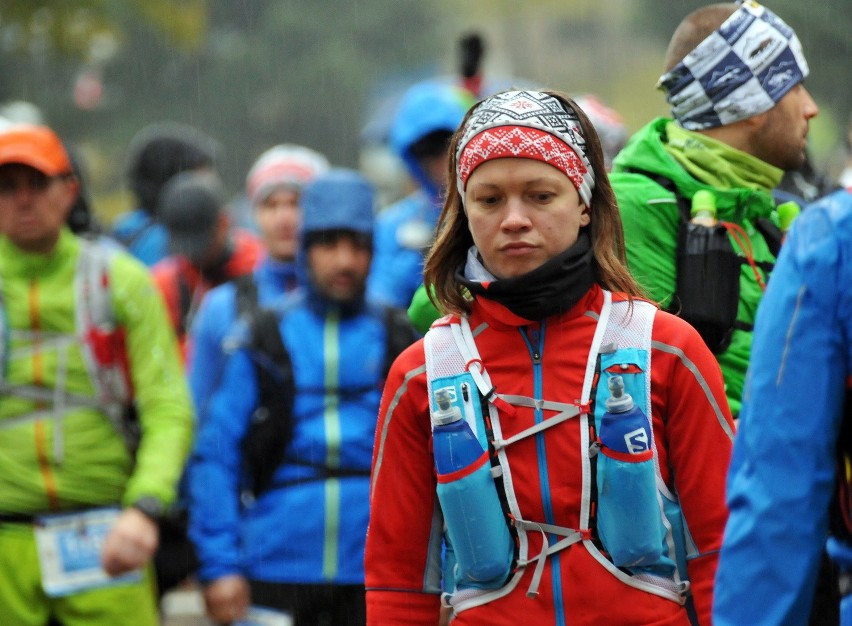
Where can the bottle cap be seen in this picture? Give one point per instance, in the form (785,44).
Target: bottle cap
(447,413)
(787,212)
(703,201)
(618,401)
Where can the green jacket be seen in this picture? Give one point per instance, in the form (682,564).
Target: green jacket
(650,216)
(95,467)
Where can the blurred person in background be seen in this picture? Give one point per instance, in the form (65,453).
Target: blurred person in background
(81,217)
(205,251)
(279,479)
(95,415)
(609,124)
(425,119)
(740,121)
(156,154)
(273,186)
(789,484)
(803,185)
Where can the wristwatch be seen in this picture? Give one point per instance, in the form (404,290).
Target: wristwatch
(150,507)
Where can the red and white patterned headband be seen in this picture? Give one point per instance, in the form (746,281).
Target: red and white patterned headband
(528,125)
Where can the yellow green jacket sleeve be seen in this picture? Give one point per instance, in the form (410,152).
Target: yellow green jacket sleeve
(159,383)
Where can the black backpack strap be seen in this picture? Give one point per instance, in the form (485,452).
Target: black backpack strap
(184,304)
(247,298)
(271,426)
(773,237)
(684,204)
(399,334)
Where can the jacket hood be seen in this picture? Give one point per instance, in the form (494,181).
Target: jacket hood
(338,199)
(425,108)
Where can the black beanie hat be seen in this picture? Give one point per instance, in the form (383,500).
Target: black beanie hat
(160,151)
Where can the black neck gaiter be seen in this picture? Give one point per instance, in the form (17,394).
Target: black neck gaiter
(550,289)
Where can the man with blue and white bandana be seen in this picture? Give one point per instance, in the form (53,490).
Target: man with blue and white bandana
(734,79)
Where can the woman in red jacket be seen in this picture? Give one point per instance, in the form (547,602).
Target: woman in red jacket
(543,318)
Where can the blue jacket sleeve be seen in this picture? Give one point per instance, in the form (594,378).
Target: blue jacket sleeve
(782,471)
(214,472)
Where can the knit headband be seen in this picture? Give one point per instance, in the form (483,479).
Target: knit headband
(529,125)
(741,70)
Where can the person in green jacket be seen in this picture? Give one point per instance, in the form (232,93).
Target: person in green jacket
(740,112)
(85,336)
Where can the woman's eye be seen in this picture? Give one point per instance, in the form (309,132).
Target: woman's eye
(543,196)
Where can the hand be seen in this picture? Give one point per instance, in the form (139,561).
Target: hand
(130,544)
(227,599)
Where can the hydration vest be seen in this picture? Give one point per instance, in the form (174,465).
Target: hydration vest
(621,345)
(707,287)
(102,344)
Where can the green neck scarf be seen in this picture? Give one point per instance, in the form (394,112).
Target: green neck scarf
(717,164)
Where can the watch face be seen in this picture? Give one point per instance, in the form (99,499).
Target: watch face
(151,507)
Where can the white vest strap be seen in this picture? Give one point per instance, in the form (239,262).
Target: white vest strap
(564,412)
(570,536)
(93,310)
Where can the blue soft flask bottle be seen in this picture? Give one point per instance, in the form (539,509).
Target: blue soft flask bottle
(474,517)
(629,516)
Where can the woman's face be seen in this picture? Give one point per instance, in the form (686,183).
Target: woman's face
(521,213)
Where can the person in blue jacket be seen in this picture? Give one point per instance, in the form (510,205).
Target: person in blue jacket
(426,118)
(156,154)
(782,474)
(273,186)
(299,545)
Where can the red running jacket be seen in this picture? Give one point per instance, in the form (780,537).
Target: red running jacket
(693,431)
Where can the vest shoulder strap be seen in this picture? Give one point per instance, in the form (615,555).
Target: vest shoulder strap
(247,295)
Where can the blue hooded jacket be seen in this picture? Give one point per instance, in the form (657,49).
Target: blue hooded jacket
(405,229)
(310,527)
(783,466)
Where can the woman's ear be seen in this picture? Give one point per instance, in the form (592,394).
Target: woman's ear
(585,216)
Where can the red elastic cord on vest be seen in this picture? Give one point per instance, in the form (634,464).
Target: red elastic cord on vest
(465,471)
(741,237)
(647,455)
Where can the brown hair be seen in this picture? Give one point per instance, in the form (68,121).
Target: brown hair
(694,29)
(453,237)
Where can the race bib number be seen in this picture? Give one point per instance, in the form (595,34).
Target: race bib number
(69,551)
(261,616)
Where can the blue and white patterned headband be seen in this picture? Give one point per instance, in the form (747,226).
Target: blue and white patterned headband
(741,70)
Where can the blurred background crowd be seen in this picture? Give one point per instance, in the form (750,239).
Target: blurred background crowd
(327,74)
